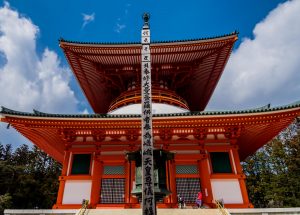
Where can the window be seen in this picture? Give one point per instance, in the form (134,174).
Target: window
(188,188)
(187,169)
(81,164)
(112,190)
(220,162)
(113,170)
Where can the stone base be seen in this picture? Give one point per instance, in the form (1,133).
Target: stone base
(160,211)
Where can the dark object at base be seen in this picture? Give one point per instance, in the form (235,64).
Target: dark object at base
(159,174)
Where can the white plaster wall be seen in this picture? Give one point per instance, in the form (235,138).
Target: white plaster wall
(77,190)
(156,109)
(227,189)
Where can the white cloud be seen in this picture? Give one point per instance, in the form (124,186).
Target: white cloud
(28,80)
(267,68)
(119,27)
(85,111)
(127,10)
(119,24)
(87,19)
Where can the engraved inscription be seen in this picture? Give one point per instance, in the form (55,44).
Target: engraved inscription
(148,197)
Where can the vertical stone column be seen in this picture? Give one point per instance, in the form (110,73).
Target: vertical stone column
(148,197)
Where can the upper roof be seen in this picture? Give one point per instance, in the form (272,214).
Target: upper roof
(192,68)
(255,126)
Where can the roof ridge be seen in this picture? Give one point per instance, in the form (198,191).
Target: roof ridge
(36,113)
(162,41)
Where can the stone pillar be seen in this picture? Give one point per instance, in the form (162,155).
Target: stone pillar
(148,198)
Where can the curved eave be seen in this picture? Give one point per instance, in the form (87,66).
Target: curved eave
(257,128)
(103,70)
(126,44)
(266,109)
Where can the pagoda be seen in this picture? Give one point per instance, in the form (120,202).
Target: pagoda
(195,150)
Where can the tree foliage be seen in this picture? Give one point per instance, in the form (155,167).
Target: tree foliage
(273,173)
(28,178)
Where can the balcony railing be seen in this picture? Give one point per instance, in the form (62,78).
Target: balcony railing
(159,95)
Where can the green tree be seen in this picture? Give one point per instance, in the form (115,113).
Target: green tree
(5,202)
(273,172)
(28,176)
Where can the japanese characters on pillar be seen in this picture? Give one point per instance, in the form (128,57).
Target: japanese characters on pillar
(148,197)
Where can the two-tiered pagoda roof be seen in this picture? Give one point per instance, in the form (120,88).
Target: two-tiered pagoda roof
(191,69)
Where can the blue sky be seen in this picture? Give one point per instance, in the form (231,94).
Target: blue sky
(264,66)
(170,20)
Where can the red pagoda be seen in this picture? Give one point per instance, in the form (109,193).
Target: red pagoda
(202,150)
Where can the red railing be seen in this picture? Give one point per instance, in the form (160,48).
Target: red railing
(159,95)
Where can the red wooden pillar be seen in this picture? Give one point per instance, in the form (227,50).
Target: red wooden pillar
(95,192)
(205,180)
(62,180)
(133,200)
(242,177)
(127,182)
(172,171)
(100,179)
(167,200)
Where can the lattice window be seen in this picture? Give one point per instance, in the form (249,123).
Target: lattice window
(186,169)
(188,188)
(112,190)
(113,170)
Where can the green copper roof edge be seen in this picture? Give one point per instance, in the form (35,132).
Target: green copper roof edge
(36,113)
(156,42)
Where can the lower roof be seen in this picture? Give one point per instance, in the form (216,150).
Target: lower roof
(252,128)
